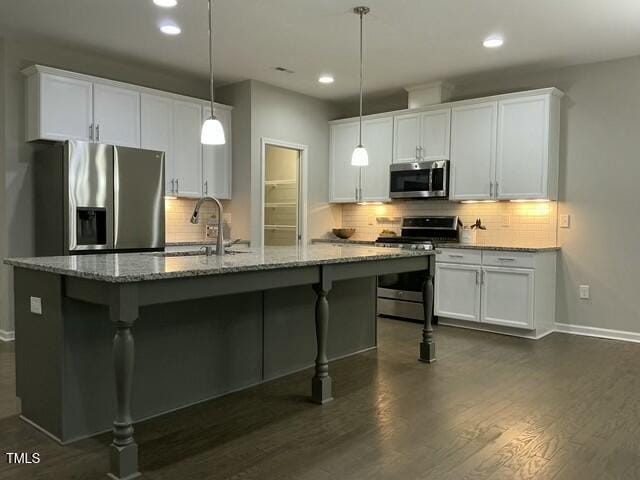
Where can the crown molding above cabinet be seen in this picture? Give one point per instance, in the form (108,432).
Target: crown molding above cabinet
(64,105)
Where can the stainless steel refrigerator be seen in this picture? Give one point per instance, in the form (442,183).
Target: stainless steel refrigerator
(93,197)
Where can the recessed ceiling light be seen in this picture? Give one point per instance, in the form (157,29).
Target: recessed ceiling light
(166,3)
(494,41)
(326,79)
(170,29)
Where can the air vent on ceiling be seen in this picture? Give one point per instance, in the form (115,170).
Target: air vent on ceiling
(283,69)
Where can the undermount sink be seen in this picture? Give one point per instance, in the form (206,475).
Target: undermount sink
(192,253)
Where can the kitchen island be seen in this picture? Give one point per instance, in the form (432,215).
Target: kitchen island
(205,326)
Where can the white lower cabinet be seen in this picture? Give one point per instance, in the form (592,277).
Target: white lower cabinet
(500,297)
(507,296)
(457,291)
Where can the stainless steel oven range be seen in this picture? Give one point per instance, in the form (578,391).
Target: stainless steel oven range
(400,295)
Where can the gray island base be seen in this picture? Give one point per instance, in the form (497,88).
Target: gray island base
(204,326)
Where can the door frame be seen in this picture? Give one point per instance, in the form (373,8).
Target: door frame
(302,187)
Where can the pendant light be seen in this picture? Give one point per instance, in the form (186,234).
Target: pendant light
(212,131)
(360,158)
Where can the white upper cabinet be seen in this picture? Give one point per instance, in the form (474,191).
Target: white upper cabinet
(156,120)
(65,105)
(116,115)
(187,121)
(422,136)
(406,137)
(473,151)
(435,128)
(216,159)
(526,154)
(343,177)
(508,297)
(377,137)
(59,108)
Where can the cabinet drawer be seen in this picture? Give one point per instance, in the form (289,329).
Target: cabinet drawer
(508,259)
(398,308)
(458,255)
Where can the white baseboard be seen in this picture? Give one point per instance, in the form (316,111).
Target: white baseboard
(598,332)
(7,336)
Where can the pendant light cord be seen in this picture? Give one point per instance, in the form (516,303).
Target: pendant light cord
(361,77)
(211,55)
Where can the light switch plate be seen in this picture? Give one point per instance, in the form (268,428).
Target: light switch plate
(565,221)
(584,292)
(36,305)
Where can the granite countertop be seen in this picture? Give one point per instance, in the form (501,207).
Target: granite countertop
(505,248)
(501,248)
(135,267)
(343,241)
(201,243)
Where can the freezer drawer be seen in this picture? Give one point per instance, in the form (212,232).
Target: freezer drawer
(400,308)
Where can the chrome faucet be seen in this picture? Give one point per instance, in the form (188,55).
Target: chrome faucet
(196,215)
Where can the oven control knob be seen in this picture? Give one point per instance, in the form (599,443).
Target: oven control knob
(414,247)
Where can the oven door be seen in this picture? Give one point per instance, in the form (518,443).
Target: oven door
(419,180)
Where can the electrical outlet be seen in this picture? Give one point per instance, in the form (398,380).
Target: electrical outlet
(371,220)
(36,305)
(584,292)
(565,221)
(505,220)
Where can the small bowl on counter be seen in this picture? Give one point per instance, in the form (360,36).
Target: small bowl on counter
(343,233)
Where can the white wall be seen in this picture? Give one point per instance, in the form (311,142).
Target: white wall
(599,186)
(16,228)
(239,95)
(282,115)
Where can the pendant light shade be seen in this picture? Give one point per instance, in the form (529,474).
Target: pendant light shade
(360,157)
(212,131)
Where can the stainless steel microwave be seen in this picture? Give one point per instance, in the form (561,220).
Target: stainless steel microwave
(419,180)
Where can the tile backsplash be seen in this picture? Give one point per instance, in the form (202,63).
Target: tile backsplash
(178,227)
(526,224)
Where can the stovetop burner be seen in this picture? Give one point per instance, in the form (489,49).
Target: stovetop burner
(421,233)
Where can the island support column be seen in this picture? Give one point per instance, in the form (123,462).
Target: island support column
(123,311)
(321,381)
(427,346)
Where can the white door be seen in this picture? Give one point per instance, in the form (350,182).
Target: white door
(66,108)
(523,148)
(116,114)
(343,177)
(406,137)
(216,159)
(377,137)
(507,297)
(457,291)
(435,138)
(473,151)
(156,132)
(187,122)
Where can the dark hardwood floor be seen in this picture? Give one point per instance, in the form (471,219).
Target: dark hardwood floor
(492,407)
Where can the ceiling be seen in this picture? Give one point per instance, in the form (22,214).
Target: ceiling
(407,41)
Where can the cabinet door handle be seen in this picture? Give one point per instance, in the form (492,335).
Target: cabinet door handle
(496,189)
(91,132)
(507,259)
(477,277)
(98,132)
(206,187)
(482,277)
(453,255)
(173,187)
(177,186)
(491,189)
